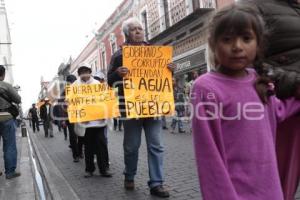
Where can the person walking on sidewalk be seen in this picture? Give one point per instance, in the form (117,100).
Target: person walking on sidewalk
(45,114)
(58,110)
(134,34)
(94,137)
(179,99)
(99,76)
(73,138)
(8,95)
(235,115)
(34,118)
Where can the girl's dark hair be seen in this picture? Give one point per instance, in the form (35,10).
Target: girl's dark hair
(235,20)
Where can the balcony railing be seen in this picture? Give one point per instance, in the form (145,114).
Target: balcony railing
(164,22)
(173,16)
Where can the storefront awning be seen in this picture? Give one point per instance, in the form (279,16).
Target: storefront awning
(195,61)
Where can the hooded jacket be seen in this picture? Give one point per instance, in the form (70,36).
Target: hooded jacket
(282,56)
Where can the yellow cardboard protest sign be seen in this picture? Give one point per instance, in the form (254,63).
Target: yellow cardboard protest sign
(89,102)
(148,86)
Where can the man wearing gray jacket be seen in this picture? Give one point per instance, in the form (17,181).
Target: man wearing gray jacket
(8,95)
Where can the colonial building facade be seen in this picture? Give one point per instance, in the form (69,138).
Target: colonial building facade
(182,24)
(107,40)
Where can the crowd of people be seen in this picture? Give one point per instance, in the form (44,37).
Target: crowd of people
(244,114)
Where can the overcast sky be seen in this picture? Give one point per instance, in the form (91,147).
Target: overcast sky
(45,33)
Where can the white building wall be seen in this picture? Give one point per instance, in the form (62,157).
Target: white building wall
(5,43)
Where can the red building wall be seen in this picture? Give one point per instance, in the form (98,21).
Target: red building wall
(114,21)
(119,39)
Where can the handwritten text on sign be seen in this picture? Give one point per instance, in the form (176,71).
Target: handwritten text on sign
(148,86)
(91,102)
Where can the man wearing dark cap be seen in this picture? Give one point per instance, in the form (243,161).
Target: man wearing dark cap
(34,118)
(45,114)
(94,132)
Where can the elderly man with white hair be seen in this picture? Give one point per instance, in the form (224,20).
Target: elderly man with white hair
(134,35)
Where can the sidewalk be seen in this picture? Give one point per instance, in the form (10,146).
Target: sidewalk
(63,179)
(23,187)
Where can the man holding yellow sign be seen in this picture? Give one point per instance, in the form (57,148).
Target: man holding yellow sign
(143,75)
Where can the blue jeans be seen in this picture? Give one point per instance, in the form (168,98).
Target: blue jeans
(132,141)
(8,133)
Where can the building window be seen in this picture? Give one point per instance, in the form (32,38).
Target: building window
(113,47)
(145,24)
(207,4)
(92,67)
(96,66)
(165,12)
(113,43)
(178,10)
(103,57)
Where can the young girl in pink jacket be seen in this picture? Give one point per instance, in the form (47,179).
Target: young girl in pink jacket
(235,119)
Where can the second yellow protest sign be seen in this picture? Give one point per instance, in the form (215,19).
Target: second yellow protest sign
(148,86)
(89,102)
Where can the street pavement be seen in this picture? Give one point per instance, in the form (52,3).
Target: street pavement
(67,177)
(63,179)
